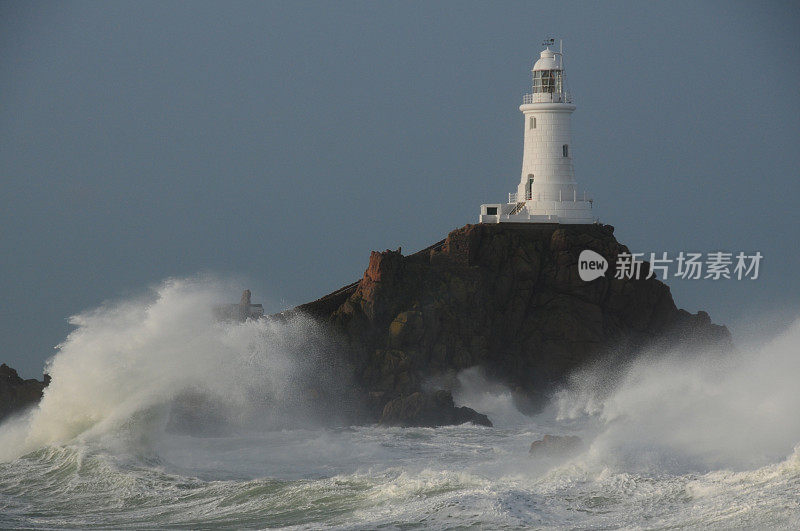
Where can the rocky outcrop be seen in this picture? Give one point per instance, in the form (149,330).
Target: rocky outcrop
(555,446)
(505,297)
(16,394)
(427,409)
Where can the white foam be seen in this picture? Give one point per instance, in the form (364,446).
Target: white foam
(130,356)
(696,411)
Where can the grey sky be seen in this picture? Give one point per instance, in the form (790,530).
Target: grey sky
(281,142)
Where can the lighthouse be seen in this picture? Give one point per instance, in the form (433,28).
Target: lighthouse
(547,191)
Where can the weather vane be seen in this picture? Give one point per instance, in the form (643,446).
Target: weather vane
(549,42)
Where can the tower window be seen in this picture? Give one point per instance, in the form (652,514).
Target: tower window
(565,150)
(533,122)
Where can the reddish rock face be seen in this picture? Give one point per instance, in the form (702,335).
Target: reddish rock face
(379,280)
(506,297)
(382,266)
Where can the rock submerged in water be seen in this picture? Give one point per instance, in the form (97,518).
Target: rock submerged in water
(17,394)
(555,446)
(429,409)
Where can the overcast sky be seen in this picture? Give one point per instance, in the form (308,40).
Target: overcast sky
(278,143)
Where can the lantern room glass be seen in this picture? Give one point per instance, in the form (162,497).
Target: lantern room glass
(548,81)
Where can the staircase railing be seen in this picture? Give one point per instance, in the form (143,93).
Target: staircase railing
(517,208)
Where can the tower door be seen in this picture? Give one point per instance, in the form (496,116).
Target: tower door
(529,186)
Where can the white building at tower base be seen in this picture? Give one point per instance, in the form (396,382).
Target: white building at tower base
(547,191)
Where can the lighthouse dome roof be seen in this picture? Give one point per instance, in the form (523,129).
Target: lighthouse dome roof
(547,61)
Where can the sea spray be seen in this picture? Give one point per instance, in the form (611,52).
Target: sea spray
(693,411)
(132,357)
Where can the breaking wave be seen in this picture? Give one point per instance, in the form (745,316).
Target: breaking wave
(693,411)
(143,364)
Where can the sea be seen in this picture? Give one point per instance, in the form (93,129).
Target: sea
(671,440)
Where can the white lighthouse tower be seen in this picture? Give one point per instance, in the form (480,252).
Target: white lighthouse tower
(547,192)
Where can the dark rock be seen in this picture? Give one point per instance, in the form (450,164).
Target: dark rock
(427,409)
(506,297)
(17,394)
(555,446)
